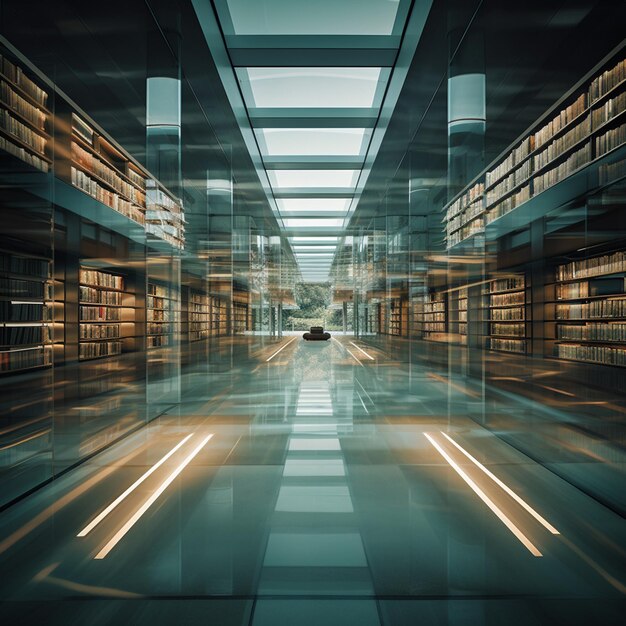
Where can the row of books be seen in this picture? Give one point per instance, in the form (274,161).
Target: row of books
(431,307)
(508,204)
(99,314)
(570,291)
(473,194)
(99,331)
(595,266)
(606,81)
(197,335)
(608,173)
(515,329)
(95,278)
(159,315)
(24,265)
(475,226)
(82,129)
(24,335)
(15,74)
(111,199)
(24,155)
(615,332)
(610,109)
(99,349)
(23,133)
(12,100)
(17,288)
(157,341)
(137,178)
(563,143)
(11,360)
(31,312)
(432,327)
(606,355)
(562,119)
(159,290)
(507,299)
(610,140)
(506,345)
(159,328)
(105,172)
(511,314)
(158,231)
(507,284)
(569,166)
(100,296)
(609,308)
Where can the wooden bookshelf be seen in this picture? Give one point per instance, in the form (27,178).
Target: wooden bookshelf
(431,317)
(219,316)
(585,128)
(106,314)
(24,118)
(162,315)
(590,310)
(25,323)
(506,308)
(198,315)
(457,314)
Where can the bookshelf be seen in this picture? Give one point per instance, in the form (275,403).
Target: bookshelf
(431,317)
(457,314)
(24,118)
(161,315)
(219,317)
(199,315)
(106,316)
(164,217)
(240,313)
(25,329)
(396,324)
(372,318)
(590,310)
(506,314)
(100,170)
(588,126)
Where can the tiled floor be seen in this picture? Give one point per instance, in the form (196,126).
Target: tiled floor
(324,487)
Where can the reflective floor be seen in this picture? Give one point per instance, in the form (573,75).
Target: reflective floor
(323,483)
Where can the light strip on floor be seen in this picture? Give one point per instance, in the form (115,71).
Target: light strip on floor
(85,531)
(354,357)
(280,349)
(506,488)
(150,501)
(371,358)
(486,499)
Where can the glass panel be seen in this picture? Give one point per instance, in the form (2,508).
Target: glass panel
(289,179)
(311,223)
(312,87)
(303,17)
(313,141)
(313,204)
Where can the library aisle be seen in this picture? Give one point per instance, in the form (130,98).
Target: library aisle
(328,481)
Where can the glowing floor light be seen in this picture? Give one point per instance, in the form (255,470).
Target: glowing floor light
(119,535)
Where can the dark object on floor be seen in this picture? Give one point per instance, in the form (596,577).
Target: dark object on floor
(316,334)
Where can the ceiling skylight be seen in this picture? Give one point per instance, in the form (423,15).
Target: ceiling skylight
(314,205)
(312,87)
(306,179)
(304,17)
(313,141)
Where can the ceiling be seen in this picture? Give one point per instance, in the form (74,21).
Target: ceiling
(313,85)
